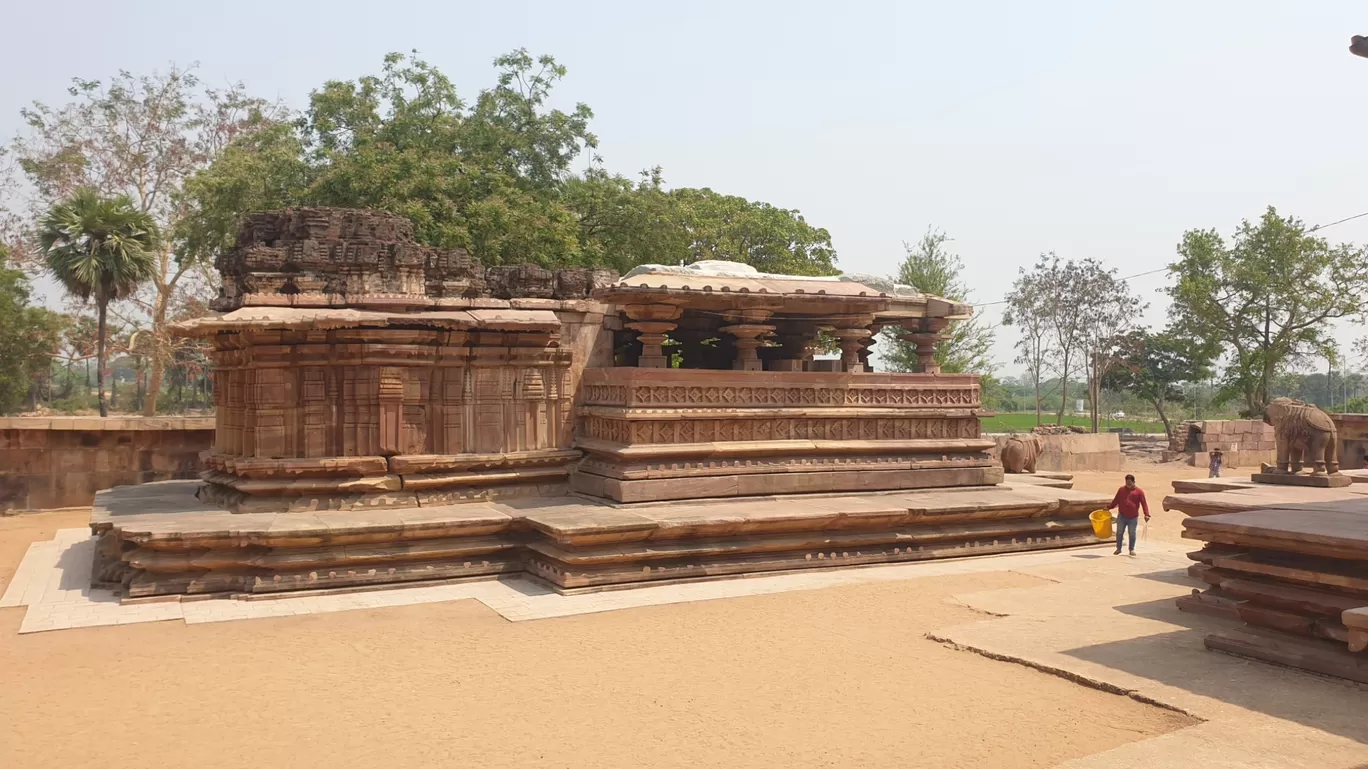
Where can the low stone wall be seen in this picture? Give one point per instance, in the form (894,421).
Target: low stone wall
(1245,443)
(1353,440)
(52,462)
(1078,452)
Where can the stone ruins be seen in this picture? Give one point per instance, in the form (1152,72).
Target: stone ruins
(1285,552)
(389,412)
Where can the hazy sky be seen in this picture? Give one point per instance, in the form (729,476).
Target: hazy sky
(1086,128)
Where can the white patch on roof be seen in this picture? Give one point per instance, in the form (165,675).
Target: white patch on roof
(718,268)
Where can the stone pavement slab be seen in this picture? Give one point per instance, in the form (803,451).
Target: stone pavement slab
(1112,624)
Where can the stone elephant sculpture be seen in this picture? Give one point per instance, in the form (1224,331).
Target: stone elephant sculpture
(1020,452)
(1303,434)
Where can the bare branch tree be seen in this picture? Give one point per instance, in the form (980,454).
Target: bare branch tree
(140,135)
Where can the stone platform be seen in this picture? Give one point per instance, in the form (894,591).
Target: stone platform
(1214,496)
(158,539)
(1337,481)
(1296,578)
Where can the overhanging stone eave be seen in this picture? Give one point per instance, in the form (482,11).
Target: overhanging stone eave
(293,318)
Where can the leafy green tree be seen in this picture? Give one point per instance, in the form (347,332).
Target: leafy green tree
(1153,365)
(495,177)
(100,248)
(768,238)
(1268,297)
(29,338)
(930,267)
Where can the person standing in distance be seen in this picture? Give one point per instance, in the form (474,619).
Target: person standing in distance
(1215,460)
(1128,502)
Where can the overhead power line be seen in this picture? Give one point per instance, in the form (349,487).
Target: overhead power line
(1338,221)
(1316,228)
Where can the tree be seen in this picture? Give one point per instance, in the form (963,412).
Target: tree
(141,136)
(496,178)
(1068,312)
(29,337)
(1106,308)
(1269,297)
(100,248)
(931,268)
(1029,309)
(1154,365)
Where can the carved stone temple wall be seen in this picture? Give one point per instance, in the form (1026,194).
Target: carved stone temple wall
(658,434)
(360,369)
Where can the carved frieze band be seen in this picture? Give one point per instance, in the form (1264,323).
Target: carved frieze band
(760,396)
(727,466)
(710,430)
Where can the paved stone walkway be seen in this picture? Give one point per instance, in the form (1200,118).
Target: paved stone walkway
(1112,623)
(53,581)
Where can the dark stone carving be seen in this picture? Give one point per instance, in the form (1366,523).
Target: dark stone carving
(337,256)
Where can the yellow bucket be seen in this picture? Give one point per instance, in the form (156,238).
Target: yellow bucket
(1102,523)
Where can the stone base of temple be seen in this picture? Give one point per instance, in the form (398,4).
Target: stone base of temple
(751,480)
(159,539)
(365,483)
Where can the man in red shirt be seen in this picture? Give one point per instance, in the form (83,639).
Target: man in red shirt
(1128,501)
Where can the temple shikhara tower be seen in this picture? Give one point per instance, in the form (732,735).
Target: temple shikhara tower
(389,412)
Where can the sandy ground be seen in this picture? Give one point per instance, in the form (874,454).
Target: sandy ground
(1157,482)
(835,677)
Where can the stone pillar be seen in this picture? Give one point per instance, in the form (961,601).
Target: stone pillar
(747,328)
(653,322)
(747,340)
(797,345)
(867,343)
(924,334)
(852,341)
(391,405)
(852,331)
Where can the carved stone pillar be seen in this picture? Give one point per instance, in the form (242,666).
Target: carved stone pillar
(653,322)
(797,345)
(867,343)
(747,341)
(748,328)
(391,405)
(924,334)
(852,331)
(851,343)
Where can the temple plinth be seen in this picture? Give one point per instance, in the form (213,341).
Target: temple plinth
(389,412)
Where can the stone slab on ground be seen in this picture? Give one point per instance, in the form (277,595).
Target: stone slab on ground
(1261,497)
(1051,480)
(1313,654)
(1209,485)
(1112,623)
(1328,532)
(1301,479)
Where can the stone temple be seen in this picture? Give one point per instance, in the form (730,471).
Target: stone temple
(389,412)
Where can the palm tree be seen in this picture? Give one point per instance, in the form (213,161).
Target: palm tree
(102,248)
